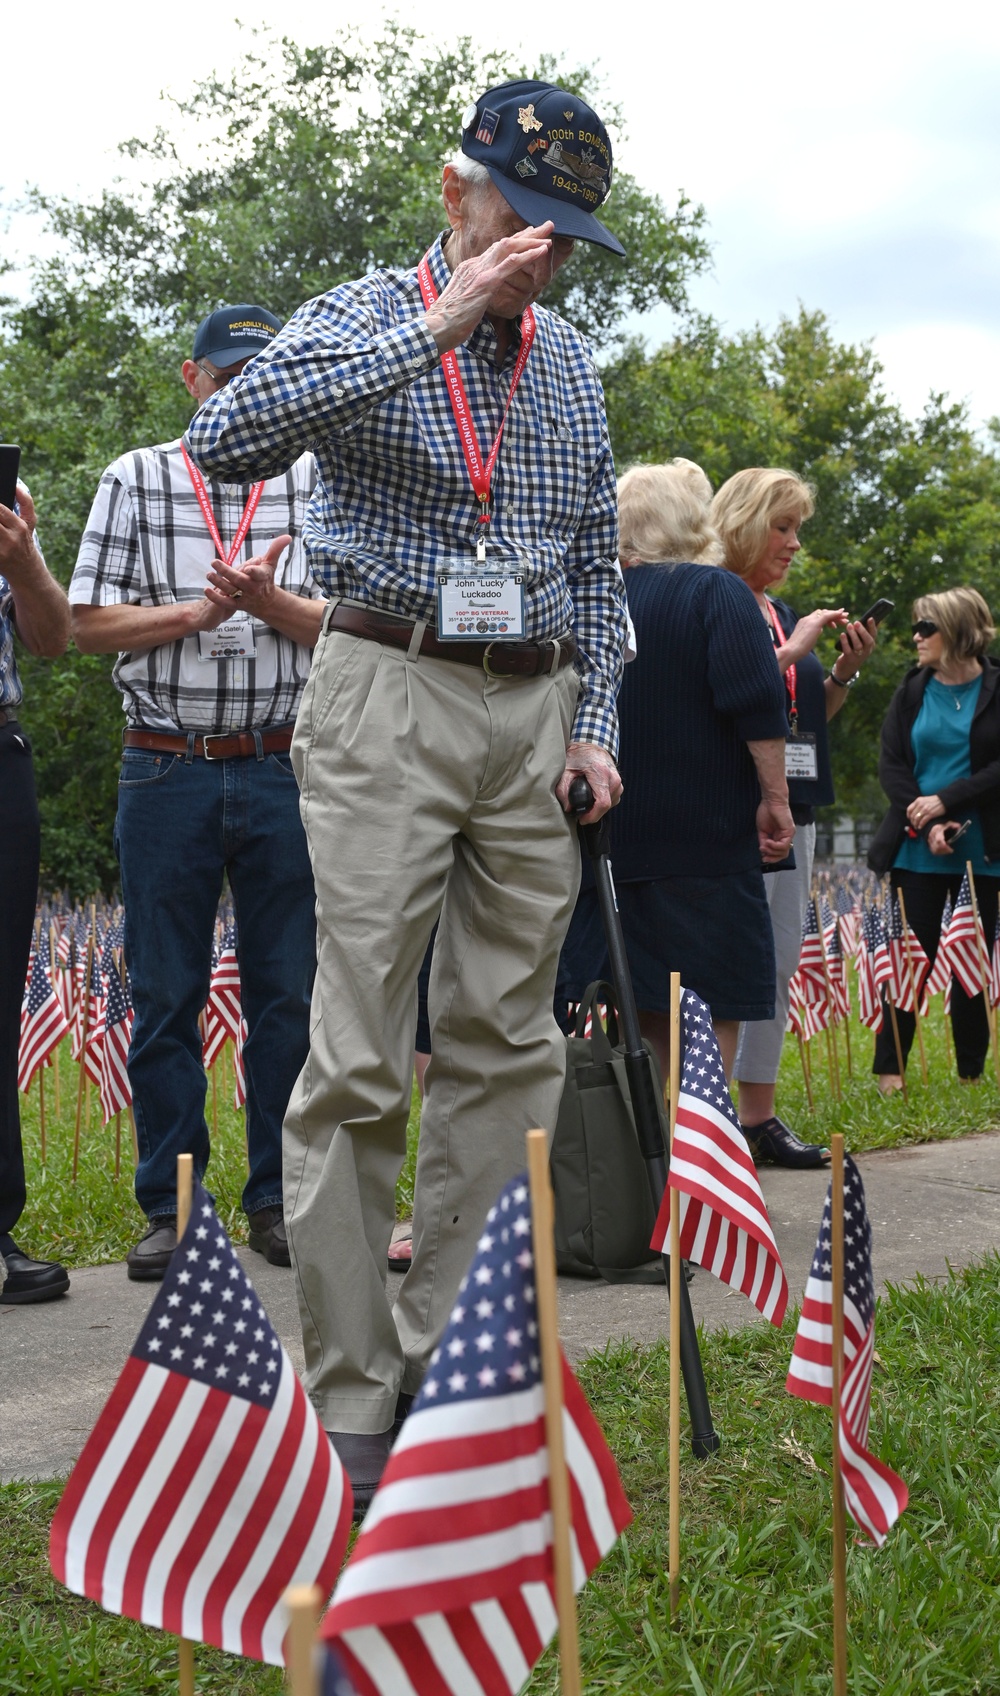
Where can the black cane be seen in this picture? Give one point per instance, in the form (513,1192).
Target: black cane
(642,1089)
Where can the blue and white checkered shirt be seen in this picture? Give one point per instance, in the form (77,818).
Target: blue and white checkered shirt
(355,375)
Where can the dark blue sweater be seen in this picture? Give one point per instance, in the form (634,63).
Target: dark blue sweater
(705,683)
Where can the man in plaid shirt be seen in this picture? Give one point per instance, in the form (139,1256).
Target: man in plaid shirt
(435,749)
(211,684)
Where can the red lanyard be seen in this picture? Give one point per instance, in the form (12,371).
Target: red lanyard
(791,682)
(198,483)
(480,474)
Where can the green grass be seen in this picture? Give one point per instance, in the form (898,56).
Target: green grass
(755,1537)
(96,1218)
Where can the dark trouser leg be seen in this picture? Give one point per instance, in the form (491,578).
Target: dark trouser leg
(168,837)
(271,879)
(18,893)
(925,894)
(969,1022)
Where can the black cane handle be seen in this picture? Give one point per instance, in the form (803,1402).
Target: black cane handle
(595,836)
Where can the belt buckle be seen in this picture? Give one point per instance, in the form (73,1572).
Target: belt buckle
(217,736)
(486,661)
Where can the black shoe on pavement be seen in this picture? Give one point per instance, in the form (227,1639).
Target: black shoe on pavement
(268,1237)
(774,1143)
(363,1455)
(150,1257)
(31,1280)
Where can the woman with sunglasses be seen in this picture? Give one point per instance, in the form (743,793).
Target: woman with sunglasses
(940,768)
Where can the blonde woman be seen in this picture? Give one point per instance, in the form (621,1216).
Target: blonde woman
(758,515)
(702,760)
(940,767)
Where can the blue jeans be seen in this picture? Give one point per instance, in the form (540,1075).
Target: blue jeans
(182,823)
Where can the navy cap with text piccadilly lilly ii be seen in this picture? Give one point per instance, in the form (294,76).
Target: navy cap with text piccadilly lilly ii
(547,152)
(232,333)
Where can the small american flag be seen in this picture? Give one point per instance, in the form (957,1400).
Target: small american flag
(116,1091)
(939,981)
(874,1493)
(450,1585)
(43,1024)
(908,987)
(723,1216)
(208,1484)
(963,952)
(811,957)
(870,1008)
(224,990)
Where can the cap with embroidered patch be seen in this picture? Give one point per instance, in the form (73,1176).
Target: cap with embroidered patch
(232,333)
(547,152)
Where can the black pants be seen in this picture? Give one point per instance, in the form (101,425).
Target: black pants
(18,895)
(925,894)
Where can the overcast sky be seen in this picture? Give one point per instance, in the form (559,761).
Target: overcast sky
(848,157)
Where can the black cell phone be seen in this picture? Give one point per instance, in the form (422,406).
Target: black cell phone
(953,832)
(880,610)
(10,460)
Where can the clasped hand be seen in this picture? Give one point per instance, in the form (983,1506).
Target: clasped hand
(249,588)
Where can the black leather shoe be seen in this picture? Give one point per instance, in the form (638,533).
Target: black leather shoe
(31,1280)
(150,1257)
(364,1455)
(268,1237)
(773,1143)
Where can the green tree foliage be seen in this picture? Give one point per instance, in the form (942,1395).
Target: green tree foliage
(311,165)
(903,507)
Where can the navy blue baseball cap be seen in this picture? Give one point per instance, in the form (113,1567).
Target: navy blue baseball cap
(547,152)
(232,333)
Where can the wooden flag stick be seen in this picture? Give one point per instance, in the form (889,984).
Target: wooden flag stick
(831,1029)
(839,1519)
(911,973)
(983,967)
(675,1309)
(41,1107)
(53,957)
(118,1145)
(805,1072)
(543,1244)
(185,1186)
(303,1604)
(83,1052)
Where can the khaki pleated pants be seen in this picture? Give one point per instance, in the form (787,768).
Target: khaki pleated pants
(427,790)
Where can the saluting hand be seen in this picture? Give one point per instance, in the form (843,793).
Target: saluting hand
(465,297)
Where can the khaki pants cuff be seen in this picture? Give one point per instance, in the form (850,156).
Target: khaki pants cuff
(365,1418)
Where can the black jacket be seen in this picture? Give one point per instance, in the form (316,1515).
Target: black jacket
(895,766)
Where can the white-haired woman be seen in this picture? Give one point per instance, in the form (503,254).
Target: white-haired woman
(758,514)
(702,758)
(940,767)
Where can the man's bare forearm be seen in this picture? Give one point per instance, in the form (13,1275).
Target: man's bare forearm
(769,758)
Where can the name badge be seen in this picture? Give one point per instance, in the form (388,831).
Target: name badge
(480,606)
(233,640)
(800,756)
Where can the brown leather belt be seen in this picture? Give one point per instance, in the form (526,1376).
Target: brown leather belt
(240,745)
(498,659)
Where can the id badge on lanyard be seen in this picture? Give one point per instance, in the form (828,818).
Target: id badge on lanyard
(235,638)
(478,599)
(801,754)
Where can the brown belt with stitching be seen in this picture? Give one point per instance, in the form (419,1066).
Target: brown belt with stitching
(240,745)
(498,659)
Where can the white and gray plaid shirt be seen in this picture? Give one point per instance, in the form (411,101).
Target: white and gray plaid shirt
(146,544)
(355,375)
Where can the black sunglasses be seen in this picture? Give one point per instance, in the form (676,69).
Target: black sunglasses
(925,627)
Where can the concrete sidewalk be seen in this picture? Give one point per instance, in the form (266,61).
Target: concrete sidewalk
(930,1207)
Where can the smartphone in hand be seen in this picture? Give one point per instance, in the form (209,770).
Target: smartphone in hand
(10,462)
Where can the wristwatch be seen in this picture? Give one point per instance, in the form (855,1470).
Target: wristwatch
(832,675)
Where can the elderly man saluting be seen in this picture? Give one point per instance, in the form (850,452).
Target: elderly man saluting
(464,527)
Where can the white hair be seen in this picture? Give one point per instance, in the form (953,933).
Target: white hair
(470,170)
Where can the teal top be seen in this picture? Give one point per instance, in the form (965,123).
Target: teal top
(940,738)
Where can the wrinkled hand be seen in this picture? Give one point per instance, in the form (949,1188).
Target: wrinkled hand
(808,631)
(937,842)
(775,830)
(857,643)
(923,809)
(463,301)
(18,553)
(247,588)
(586,759)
